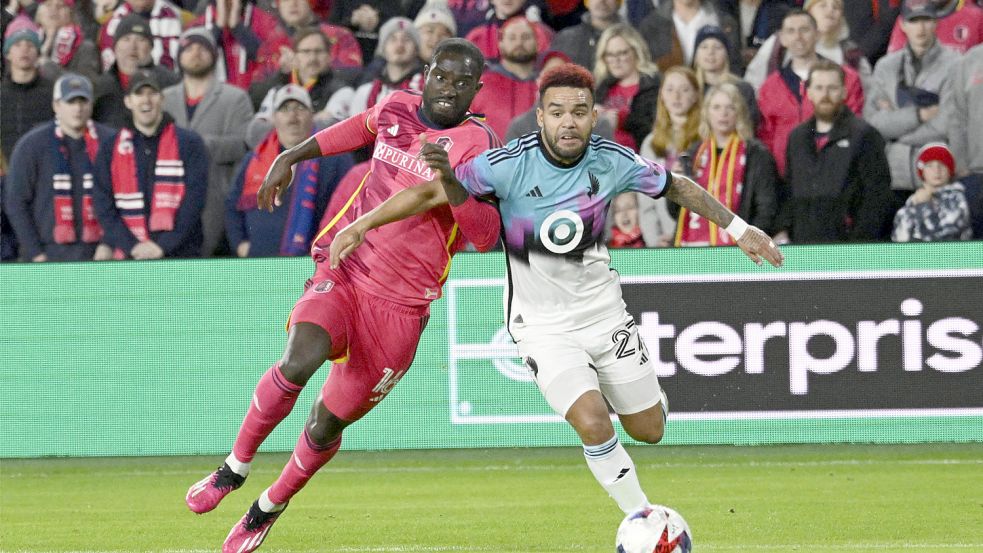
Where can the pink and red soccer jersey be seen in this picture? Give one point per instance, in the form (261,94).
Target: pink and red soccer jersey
(405,262)
(376,304)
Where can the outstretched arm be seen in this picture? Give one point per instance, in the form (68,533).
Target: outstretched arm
(350,134)
(755,243)
(405,203)
(479,220)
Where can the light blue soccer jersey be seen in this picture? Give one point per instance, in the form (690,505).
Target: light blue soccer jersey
(553,219)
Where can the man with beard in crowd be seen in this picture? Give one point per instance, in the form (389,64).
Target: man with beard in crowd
(510,87)
(219,113)
(837,171)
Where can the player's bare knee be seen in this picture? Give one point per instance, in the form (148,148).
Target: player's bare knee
(323,427)
(307,349)
(593,430)
(298,369)
(650,433)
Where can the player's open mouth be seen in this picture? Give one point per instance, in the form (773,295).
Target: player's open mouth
(444,104)
(568,138)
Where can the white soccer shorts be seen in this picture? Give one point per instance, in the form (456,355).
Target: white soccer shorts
(608,356)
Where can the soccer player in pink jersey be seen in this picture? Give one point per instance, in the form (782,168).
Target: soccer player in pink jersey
(367,316)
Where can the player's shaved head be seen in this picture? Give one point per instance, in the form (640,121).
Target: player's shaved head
(460,47)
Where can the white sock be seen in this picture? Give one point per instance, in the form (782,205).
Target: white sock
(267,505)
(237,466)
(614,470)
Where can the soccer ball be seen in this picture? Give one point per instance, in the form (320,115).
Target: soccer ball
(654,529)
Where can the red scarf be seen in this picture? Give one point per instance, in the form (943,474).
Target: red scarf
(299,226)
(256,171)
(64,231)
(66,43)
(621,239)
(723,177)
(168,185)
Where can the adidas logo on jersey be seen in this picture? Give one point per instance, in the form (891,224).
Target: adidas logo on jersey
(534,193)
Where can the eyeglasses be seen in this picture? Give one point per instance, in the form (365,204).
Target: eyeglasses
(620,54)
(313,51)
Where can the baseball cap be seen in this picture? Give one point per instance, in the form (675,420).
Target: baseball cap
(291,92)
(133,24)
(72,85)
(142,78)
(914,9)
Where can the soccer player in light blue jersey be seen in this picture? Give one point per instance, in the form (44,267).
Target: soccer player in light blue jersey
(563,304)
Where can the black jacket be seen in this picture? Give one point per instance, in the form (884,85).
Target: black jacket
(870,23)
(24,107)
(642,112)
(759,198)
(841,192)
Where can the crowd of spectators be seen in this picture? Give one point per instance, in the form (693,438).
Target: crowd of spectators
(141,129)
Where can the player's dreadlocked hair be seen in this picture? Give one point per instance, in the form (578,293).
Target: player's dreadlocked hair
(568,74)
(460,46)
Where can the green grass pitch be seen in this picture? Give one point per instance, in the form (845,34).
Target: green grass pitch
(818,498)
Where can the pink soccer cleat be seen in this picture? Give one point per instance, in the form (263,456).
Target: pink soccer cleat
(206,494)
(248,534)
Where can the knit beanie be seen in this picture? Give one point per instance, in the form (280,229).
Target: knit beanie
(21,28)
(711,31)
(935,151)
(436,13)
(201,36)
(396,24)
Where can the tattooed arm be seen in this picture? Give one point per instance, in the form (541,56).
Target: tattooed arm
(693,197)
(755,243)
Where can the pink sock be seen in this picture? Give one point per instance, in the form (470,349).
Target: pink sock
(273,400)
(306,460)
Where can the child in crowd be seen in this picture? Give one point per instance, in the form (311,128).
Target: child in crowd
(626,231)
(938,210)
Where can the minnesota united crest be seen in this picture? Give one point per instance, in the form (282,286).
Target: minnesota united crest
(595,185)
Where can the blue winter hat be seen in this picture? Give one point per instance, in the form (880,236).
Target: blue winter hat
(711,31)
